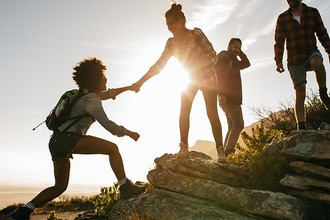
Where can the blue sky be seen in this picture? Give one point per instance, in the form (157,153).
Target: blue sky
(42,40)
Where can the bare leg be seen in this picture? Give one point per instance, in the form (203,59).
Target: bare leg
(300,93)
(61,173)
(187,98)
(94,145)
(316,64)
(210,98)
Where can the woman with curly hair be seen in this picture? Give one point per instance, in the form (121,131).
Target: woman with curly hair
(89,75)
(195,52)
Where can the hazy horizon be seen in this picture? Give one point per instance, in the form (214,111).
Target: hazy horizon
(15,194)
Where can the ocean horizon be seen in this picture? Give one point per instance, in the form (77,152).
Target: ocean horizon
(16,194)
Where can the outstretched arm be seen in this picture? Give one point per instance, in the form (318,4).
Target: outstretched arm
(156,68)
(94,108)
(137,85)
(122,89)
(112,93)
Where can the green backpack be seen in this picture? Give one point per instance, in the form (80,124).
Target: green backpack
(61,112)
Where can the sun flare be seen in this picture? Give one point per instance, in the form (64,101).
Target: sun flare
(174,76)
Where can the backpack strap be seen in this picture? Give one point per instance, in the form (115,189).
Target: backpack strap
(78,117)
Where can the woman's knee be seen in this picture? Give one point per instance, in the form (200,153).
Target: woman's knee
(60,188)
(113,149)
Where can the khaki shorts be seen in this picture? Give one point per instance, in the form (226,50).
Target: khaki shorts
(61,145)
(298,72)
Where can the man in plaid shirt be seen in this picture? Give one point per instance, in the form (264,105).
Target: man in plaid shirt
(297,26)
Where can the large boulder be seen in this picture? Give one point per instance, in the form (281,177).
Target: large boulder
(200,188)
(304,146)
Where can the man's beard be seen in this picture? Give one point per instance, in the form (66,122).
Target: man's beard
(294,4)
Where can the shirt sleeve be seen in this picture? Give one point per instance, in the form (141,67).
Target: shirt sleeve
(108,94)
(95,109)
(206,45)
(244,63)
(321,33)
(224,63)
(279,41)
(162,61)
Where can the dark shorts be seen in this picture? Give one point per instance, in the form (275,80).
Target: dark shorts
(61,145)
(298,72)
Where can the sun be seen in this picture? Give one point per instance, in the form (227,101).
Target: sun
(174,76)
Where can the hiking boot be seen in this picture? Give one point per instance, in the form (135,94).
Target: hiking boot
(183,150)
(21,213)
(129,189)
(221,155)
(229,150)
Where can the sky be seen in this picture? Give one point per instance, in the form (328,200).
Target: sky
(41,41)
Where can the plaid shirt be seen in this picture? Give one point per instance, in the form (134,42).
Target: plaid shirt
(300,38)
(196,54)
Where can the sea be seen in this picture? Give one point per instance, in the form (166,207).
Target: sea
(13,194)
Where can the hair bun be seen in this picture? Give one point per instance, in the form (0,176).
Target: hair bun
(176,7)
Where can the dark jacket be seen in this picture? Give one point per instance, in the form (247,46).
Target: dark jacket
(228,69)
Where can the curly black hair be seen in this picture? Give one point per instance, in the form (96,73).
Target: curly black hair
(88,74)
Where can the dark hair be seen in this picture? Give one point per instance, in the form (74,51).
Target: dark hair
(234,40)
(88,74)
(176,12)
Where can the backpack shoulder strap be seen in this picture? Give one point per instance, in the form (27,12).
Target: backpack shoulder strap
(78,117)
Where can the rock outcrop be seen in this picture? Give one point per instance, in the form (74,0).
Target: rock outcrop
(198,187)
(310,155)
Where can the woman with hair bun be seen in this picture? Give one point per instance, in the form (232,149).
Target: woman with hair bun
(195,52)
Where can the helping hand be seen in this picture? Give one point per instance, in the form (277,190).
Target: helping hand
(136,86)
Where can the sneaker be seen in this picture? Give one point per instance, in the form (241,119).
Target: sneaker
(325,99)
(21,213)
(229,150)
(324,126)
(129,189)
(221,155)
(301,125)
(183,150)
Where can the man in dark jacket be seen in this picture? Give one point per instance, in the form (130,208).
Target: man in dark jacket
(229,66)
(297,27)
